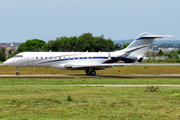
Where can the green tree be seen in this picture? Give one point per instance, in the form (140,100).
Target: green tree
(118,47)
(160,53)
(9,53)
(178,52)
(31,45)
(82,43)
(2,54)
(125,45)
(173,55)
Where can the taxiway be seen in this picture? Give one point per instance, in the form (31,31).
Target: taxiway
(97,85)
(85,76)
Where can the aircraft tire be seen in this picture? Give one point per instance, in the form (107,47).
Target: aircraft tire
(17,73)
(93,73)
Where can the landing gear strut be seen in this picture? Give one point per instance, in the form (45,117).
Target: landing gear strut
(17,71)
(90,71)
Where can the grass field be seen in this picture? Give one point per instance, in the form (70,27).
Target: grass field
(65,81)
(93,103)
(112,71)
(97,103)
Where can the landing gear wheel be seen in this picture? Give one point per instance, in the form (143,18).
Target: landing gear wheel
(17,73)
(93,72)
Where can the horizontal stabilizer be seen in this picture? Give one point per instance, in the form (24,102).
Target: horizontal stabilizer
(146,35)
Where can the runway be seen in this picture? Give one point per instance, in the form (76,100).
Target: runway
(86,76)
(94,85)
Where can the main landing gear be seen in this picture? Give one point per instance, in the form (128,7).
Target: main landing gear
(17,71)
(90,71)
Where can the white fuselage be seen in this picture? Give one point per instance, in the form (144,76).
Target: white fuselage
(59,59)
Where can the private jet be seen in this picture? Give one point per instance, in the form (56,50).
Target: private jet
(88,61)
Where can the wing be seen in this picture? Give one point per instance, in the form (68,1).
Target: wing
(97,65)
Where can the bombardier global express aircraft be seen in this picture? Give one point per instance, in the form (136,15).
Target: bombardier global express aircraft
(88,61)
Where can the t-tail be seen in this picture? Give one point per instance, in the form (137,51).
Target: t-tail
(137,49)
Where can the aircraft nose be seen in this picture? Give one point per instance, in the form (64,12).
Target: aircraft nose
(8,62)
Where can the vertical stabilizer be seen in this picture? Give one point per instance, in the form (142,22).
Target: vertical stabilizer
(140,45)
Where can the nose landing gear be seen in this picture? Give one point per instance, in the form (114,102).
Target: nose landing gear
(17,71)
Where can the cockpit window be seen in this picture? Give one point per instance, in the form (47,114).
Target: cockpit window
(18,56)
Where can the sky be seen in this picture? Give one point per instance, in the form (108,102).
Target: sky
(21,20)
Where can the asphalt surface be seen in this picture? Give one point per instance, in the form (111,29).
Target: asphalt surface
(94,85)
(86,76)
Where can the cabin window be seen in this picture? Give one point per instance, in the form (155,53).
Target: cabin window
(46,57)
(36,57)
(73,58)
(54,57)
(59,57)
(68,58)
(41,57)
(50,57)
